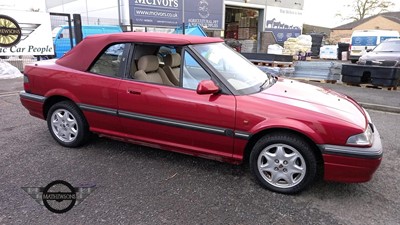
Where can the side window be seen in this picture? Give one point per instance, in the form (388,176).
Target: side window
(193,73)
(109,62)
(65,33)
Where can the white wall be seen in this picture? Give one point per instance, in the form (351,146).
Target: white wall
(24,5)
(92,11)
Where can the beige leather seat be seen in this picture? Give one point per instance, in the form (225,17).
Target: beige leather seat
(172,63)
(133,69)
(149,71)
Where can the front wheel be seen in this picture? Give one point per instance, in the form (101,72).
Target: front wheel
(67,124)
(283,163)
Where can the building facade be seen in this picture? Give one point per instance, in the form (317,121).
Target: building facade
(383,21)
(242,20)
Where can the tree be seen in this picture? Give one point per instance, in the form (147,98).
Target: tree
(361,9)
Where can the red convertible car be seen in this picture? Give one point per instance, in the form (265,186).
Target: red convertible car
(197,96)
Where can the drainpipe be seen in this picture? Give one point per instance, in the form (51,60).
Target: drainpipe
(119,13)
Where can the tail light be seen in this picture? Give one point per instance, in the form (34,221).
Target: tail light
(26,83)
(349,47)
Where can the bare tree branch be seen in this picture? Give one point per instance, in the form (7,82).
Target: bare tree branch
(366,8)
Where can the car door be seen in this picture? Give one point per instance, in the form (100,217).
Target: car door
(177,118)
(99,90)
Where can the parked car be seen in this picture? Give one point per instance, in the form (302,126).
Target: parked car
(366,40)
(386,53)
(203,99)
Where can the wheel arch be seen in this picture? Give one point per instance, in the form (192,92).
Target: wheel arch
(255,137)
(50,101)
(81,133)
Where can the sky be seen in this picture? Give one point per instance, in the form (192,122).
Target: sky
(322,12)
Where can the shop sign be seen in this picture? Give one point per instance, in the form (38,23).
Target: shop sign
(207,13)
(172,13)
(284,23)
(25,33)
(156,12)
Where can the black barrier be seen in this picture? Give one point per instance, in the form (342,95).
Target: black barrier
(342,47)
(375,75)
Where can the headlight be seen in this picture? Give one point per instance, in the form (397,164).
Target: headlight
(362,139)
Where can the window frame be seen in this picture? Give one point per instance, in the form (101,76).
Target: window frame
(206,67)
(222,81)
(122,65)
(130,55)
(182,70)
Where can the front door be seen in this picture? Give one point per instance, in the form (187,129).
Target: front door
(177,118)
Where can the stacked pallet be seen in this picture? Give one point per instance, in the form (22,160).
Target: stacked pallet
(294,46)
(323,71)
(278,71)
(378,76)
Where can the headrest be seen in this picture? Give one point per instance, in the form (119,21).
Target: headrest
(148,63)
(172,60)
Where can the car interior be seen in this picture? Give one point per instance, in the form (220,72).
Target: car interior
(109,61)
(154,64)
(149,71)
(172,63)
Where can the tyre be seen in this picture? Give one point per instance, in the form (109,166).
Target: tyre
(67,124)
(353,60)
(283,163)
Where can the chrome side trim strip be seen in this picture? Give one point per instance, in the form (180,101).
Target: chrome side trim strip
(176,123)
(99,109)
(33,97)
(242,135)
(168,122)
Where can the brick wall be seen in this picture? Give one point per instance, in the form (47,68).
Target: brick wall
(379,22)
(336,35)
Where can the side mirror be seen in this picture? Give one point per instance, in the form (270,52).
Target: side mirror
(206,87)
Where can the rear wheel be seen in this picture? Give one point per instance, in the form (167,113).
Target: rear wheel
(283,163)
(67,124)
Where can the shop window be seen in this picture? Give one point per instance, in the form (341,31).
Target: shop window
(241,31)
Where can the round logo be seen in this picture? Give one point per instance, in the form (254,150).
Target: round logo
(59,196)
(10,32)
(203,9)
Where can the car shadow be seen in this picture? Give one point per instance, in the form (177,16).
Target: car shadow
(105,148)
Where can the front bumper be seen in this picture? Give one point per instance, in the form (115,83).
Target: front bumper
(352,164)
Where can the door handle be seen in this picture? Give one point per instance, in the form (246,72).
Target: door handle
(134,92)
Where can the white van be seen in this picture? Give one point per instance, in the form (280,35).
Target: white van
(364,40)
